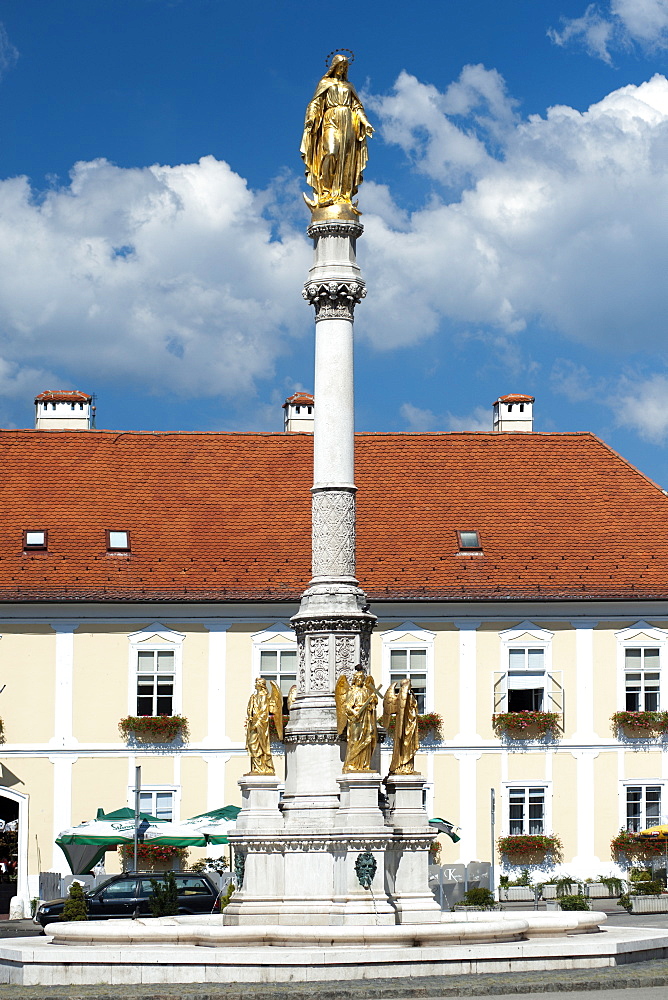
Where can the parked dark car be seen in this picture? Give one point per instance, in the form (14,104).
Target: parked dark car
(127,895)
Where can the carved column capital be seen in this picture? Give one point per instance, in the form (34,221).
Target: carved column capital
(334,299)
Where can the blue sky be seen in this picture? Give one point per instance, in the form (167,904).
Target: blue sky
(152,245)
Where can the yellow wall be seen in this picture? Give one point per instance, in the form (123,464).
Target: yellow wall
(100,679)
(28,663)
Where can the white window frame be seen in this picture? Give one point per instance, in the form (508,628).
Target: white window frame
(174,791)
(642,636)
(277,638)
(525,783)
(642,783)
(527,635)
(156,637)
(409,636)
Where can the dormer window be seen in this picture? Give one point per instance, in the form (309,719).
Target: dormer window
(118,541)
(469,541)
(34,540)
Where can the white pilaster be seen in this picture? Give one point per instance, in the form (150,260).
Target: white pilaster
(217,670)
(467,679)
(62,805)
(468,804)
(64,693)
(585,811)
(584,672)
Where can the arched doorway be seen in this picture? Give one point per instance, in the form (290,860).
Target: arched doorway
(13,849)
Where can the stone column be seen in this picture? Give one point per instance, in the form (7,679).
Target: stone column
(333,629)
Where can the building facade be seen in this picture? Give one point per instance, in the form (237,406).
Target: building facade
(149,574)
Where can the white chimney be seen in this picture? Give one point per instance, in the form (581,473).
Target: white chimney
(513,413)
(64,410)
(299,413)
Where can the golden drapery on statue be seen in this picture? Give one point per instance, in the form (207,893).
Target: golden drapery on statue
(334,143)
(400,701)
(265,701)
(356,709)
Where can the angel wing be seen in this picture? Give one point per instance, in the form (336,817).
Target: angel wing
(390,704)
(292,694)
(340,696)
(276,706)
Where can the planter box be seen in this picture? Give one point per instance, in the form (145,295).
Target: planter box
(518,894)
(549,892)
(596,890)
(649,904)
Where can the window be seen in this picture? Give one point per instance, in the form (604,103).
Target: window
(280,666)
(34,539)
(526,811)
(118,541)
(408,651)
(411,663)
(158,804)
(526,679)
(643,807)
(155,682)
(469,540)
(642,677)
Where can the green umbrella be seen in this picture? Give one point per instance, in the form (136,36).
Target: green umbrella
(85,845)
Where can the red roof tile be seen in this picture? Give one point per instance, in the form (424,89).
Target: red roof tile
(515,397)
(63,396)
(299,398)
(227,517)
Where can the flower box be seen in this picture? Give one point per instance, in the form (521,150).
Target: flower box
(523,849)
(527,725)
(650,724)
(649,904)
(429,725)
(518,894)
(631,846)
(596,890)
(154,728)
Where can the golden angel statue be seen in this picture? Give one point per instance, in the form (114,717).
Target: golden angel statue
(400,701)
(356,709)
(266,700)
(334,143)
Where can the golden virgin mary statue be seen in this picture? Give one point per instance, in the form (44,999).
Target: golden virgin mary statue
(334,147)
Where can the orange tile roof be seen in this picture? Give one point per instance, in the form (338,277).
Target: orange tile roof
(63,396)
(227,517)
(515,397)
(303,398)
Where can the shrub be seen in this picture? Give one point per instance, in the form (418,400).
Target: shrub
(164,898)
(575,902)
(76,907)
(217,865)
(148,855)
(479,897)
(224,899)
(648,888)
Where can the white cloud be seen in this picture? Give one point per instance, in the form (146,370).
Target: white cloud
(624,23)
(8,52)
(565,226)
(418,419)
(166,275)
(642,405)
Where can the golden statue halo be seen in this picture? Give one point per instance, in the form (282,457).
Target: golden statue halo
(335,52)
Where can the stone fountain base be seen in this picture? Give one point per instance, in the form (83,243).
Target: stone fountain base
(202,950)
